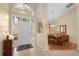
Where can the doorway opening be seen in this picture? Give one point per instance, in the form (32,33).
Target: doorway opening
(59,40)
(23,26)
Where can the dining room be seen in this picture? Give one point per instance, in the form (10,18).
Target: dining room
(62,31)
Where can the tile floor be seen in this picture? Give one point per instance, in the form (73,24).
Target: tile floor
(36,51)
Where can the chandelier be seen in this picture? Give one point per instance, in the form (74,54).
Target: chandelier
(23,8)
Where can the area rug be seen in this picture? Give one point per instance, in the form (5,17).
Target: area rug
(23,47)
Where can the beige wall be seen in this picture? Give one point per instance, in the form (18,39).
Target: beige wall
(69,18)
(77,23)
(4,22)
(42,38)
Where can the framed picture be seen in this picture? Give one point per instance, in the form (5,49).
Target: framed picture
(63,29)
(40,27)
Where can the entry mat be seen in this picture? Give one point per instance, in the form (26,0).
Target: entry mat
(23,47)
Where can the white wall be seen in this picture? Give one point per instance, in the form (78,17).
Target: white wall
(4,23)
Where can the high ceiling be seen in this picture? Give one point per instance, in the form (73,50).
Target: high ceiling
(22,8)
(57,9)
(54,9)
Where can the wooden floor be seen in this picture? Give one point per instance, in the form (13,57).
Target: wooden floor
(67,46)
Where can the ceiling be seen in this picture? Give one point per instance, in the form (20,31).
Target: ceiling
(22,8)
(57,9)
(54,9)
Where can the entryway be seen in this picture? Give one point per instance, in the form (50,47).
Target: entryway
(23,27)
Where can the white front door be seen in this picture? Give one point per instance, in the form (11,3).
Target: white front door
(23,37)
(26,32)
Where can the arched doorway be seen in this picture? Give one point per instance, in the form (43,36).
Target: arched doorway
(22,25)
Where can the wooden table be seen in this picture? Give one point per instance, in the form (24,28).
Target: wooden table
(58,39)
